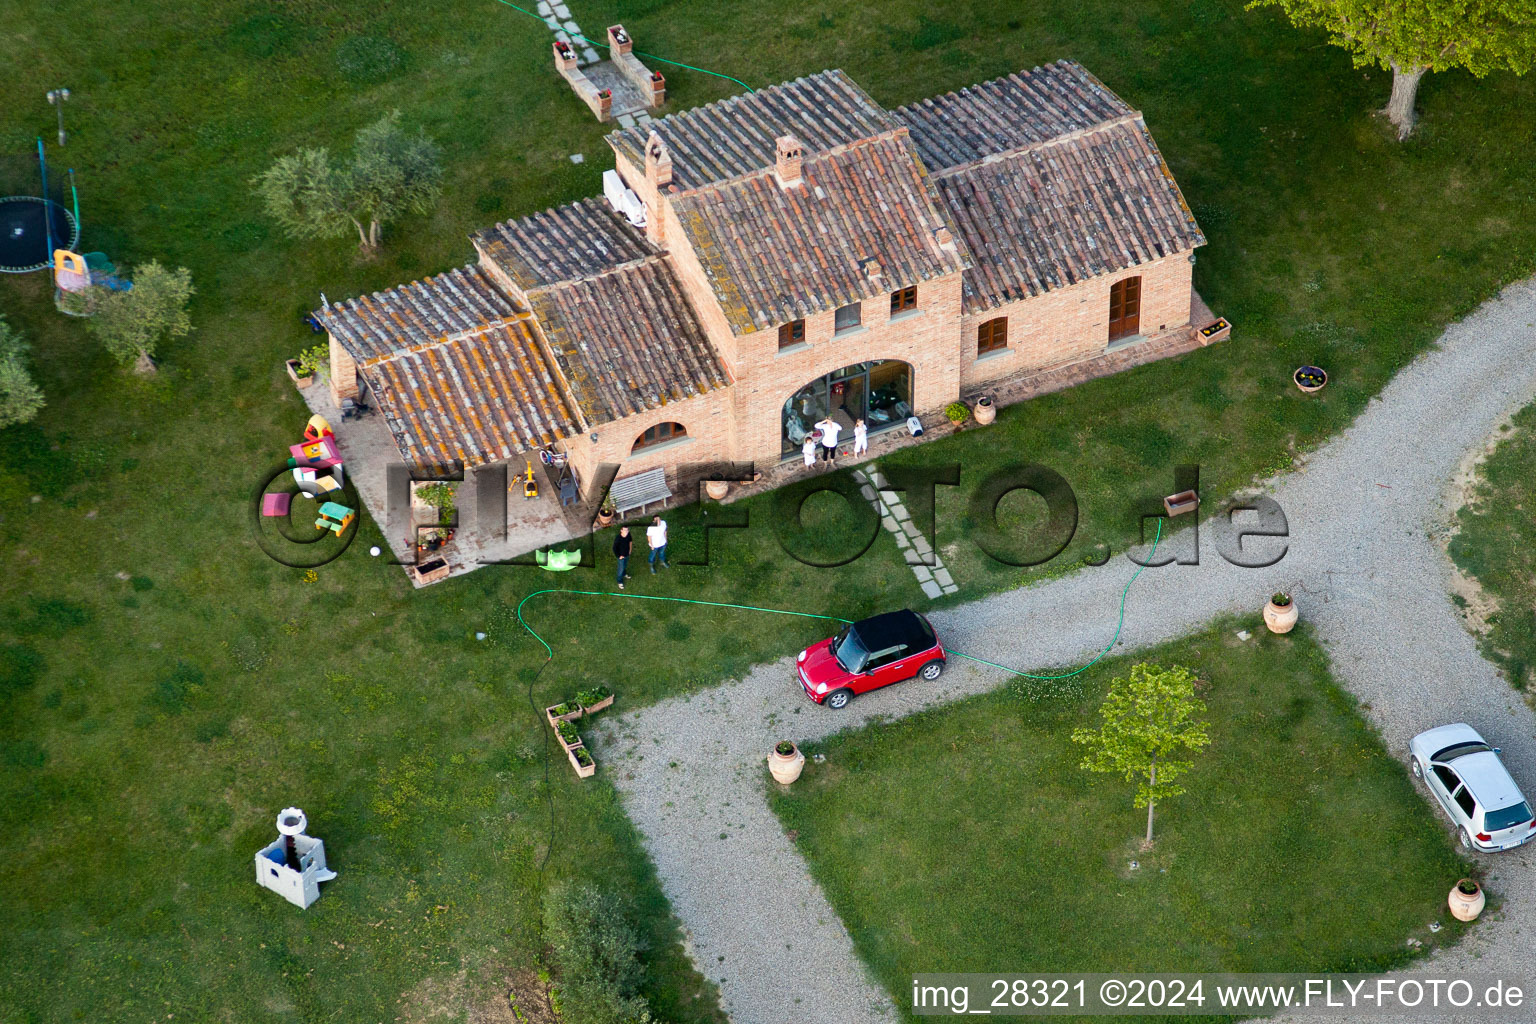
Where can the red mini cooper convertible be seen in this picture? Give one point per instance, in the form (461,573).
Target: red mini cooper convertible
(869,654)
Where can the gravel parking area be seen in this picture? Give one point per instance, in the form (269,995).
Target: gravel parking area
(1365,564)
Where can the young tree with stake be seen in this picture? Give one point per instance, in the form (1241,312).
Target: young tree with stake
(1411,37)
(132,323)
(1148,719)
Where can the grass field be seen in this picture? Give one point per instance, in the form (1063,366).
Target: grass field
(967,839)
(154,724)
(1495,543)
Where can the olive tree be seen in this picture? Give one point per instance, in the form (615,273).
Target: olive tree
(133,322)
(391,172)
(20,397)
(1410,37)
(1149,719)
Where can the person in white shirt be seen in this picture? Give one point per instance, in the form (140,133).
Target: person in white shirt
(860,437)
(809,450)
(829,430)
(656,537)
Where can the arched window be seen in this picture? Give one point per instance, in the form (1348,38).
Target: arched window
(992,336)
(661,433)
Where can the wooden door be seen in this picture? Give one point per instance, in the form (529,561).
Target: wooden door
(1124,308)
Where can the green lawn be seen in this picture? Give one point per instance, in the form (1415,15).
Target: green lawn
(1495,543)
(967,839)
(153,725)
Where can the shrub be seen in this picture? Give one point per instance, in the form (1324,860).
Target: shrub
(956,412)
(597,950)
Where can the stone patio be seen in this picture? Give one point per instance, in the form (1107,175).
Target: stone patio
(505,526)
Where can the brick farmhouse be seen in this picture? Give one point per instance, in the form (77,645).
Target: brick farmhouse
(768,260)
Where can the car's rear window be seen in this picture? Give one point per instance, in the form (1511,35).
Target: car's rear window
(1506,817)
(1454,751)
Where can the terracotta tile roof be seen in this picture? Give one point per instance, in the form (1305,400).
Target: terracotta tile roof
(735,136)
(416,313)
(483,396)
(773,254)
(564,244)
(627,341)
(1062,211)
(1009,113)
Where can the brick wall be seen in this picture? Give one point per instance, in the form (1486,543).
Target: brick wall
(343,372)
(709,420)
(927,338)
(1072,323)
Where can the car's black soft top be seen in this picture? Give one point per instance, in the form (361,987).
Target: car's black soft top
(891,629)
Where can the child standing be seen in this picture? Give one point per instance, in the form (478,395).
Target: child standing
(860,438)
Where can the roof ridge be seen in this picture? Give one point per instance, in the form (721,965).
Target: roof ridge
(1131,117)
(447,339)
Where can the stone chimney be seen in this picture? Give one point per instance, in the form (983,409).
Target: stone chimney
(619,40)
(787,168)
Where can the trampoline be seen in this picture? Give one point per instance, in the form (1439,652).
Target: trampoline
(25,222)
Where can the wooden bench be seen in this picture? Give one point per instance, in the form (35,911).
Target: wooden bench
(638,491)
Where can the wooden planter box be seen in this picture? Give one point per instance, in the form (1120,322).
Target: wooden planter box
(292,365)
(569,716)
(600,705)
(430,571)
(1184,501)
(585,771)
(571,745)
(1216,331)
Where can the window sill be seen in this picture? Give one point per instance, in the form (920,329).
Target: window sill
(906,315)
(849,331)
(996,353)
(676,442)
(799,346)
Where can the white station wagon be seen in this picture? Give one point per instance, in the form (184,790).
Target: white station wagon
(1472,784)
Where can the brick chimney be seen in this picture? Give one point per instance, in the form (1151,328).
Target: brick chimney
(658,175)
(787,167)
(619,40)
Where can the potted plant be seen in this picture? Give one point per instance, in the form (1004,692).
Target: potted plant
(1310,378)
(301,379)
(606,512)
(1466,900)
(956,413)
(312,362)
(595,699)
(565,711)
(786,762)
(984,410)
(1280,613)
(567,733)
(717,489)
(581,760)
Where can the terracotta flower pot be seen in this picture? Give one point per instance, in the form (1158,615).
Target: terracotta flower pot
(984,411)
(1466,907)
(786,768)
(717,489)
(604,518)
(1310,378)
(1281,618)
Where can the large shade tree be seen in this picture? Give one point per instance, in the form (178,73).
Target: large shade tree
(391,172)
(1410,37)
(1149,720)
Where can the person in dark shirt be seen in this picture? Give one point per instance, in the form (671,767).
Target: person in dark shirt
(621,546)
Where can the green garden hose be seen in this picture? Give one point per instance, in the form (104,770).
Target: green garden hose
(550,652)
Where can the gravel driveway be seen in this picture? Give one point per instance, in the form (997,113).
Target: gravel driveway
(1365,565)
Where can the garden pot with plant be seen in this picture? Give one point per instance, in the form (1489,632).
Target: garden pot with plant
(1310,378)
(594,700)
(606,513)
(581,760)
(1281,613)
(956,413)
(984,410)
(299,378)
(786,762)
(569,737)
(566,711)
(1466,900)
(717,489)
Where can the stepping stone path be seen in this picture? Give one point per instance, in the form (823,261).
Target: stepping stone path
(925,562)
